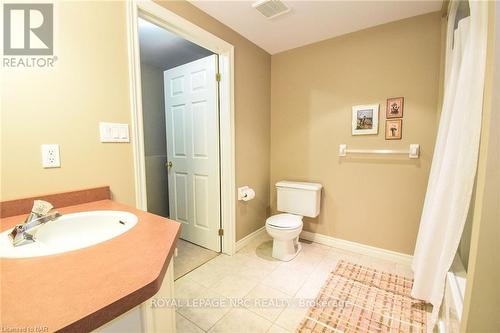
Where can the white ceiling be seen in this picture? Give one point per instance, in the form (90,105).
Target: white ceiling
(165,50)
(310,21)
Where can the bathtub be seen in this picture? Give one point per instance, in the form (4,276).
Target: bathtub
(453,302)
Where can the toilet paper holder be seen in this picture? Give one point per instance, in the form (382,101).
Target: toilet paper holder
(243,193)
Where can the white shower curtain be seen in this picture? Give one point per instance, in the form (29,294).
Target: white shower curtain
(454,163)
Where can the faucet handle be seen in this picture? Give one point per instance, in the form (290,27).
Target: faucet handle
(41,207)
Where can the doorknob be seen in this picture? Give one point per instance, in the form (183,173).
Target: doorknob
(169,164)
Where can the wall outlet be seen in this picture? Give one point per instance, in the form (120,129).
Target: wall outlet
(50,156)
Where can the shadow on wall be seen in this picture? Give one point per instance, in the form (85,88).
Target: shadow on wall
(155,144)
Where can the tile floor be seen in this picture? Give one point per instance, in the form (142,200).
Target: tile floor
(252,274)
(189,257)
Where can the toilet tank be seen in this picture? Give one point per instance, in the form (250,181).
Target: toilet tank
(299,198)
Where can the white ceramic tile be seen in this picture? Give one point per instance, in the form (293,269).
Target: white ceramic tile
(291,317)
(254,268)
(241,320)
(186,288)
(277,329)
(190,256)
(267,302)
(332,258)
(183,325)
(210,273)
(251,247)
(263,237)
(404,270)
(286,279)
(228,262)
(262,252)
(234,286)
(310,289)
(378,264)
(203,316)
(262,241)
(253,273)
(304,261)
(326,267)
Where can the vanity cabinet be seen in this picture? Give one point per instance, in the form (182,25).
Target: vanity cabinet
(145,318)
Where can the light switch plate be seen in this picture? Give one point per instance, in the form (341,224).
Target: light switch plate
(50,156)
(114,132)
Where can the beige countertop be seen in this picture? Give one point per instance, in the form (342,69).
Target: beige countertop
(80,290)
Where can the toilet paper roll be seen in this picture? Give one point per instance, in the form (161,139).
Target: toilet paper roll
(248,194)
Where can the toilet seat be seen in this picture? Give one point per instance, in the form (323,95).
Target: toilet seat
(284,221)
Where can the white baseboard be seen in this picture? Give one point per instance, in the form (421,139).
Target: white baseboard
(401,258)
(250,237)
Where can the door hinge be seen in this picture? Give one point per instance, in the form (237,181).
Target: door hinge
(217,77)
(221,232)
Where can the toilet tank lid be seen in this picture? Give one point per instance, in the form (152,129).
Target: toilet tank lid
(299,185)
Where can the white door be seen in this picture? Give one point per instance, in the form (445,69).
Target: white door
(192,117)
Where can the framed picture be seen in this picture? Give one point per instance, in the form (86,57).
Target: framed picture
(393,128)
(365,119)
(394,107)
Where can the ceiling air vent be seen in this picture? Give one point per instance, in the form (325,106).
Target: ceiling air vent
(271,8)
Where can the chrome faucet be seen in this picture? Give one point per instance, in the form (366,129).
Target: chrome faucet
(23,233)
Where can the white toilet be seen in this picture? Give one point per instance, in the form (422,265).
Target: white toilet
(295,199)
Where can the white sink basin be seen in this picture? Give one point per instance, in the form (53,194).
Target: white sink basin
(70,232)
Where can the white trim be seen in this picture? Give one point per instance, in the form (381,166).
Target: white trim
(441,326)
(249,238)
(137,137)
(450,314)
(456,280)
(227,148)
(182,27)
(401,258)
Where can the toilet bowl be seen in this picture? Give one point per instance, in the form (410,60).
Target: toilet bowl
(295,200)
(285,230)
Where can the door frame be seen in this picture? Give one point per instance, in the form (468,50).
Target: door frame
(161,16)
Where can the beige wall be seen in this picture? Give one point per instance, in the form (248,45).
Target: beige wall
(64,105)
(252,115)
(371,200)
(482,295)
(90,84)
